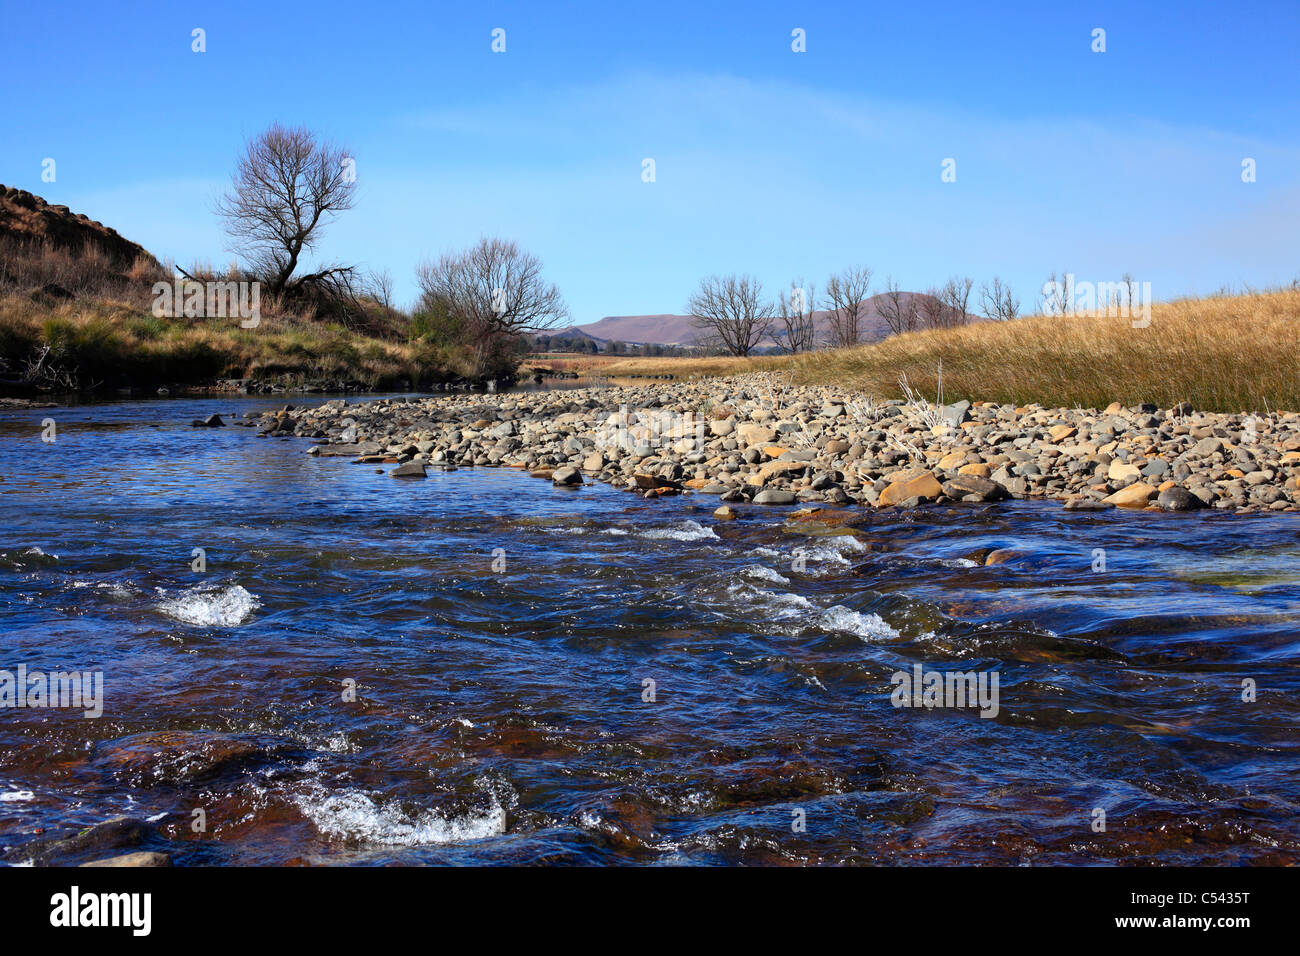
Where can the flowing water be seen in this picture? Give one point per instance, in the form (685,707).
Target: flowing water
(480,668)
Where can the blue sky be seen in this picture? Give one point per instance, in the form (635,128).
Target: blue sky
(768,161)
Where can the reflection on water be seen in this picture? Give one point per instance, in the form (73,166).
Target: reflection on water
(461,669)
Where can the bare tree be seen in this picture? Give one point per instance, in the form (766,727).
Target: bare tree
(1058,295)
(730,310)
(932,309)
(847,294)
(1130,289)
(494,292)
(379,287)
(998,301)
(795,313)
(899,309)
(956,299)
(286,187)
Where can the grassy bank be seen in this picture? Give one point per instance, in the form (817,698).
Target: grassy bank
(111,344)
(1230,353)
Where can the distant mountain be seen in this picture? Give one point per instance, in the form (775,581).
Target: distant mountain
(572,333)
(660,329)
(667,329)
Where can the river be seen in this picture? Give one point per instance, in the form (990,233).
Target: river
(481,668)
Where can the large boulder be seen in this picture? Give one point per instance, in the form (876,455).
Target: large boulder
(1136,495)
(412,469)
(923,486)
(567,475)
(967,485)
(1179,499)
(753,434)
(774,496)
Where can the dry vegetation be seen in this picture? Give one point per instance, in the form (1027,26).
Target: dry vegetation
(1230,353)
(678,367)
(1226,353)
(72,321)
(110,344)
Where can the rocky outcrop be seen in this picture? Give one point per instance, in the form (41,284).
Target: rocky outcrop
(27,219)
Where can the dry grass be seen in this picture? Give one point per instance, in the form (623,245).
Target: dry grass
(113,343)
(622,366)
(1226,353)
(72,320)
(1230,353)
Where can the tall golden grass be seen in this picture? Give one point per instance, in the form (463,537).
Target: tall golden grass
(1238,353)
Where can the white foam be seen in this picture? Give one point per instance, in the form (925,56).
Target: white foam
(353,815)
(869,627)
(112,587)
(211,607)
(830,550)
(687,530)
(760,573)
(776,604)
(16,796)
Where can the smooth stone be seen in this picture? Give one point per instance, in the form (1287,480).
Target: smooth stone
(566,476)
(953,415)
(1001,556)
(1134,496)
(1179,499)
(1086,504)
(923,486)
(967,485)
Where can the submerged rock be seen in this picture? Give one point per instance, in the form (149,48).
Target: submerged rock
(142,858)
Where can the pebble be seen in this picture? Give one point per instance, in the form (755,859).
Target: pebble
(757,438)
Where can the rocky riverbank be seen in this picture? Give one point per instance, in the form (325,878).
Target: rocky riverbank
(754,438)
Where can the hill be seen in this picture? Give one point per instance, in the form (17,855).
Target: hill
(27,219)
(669,329)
